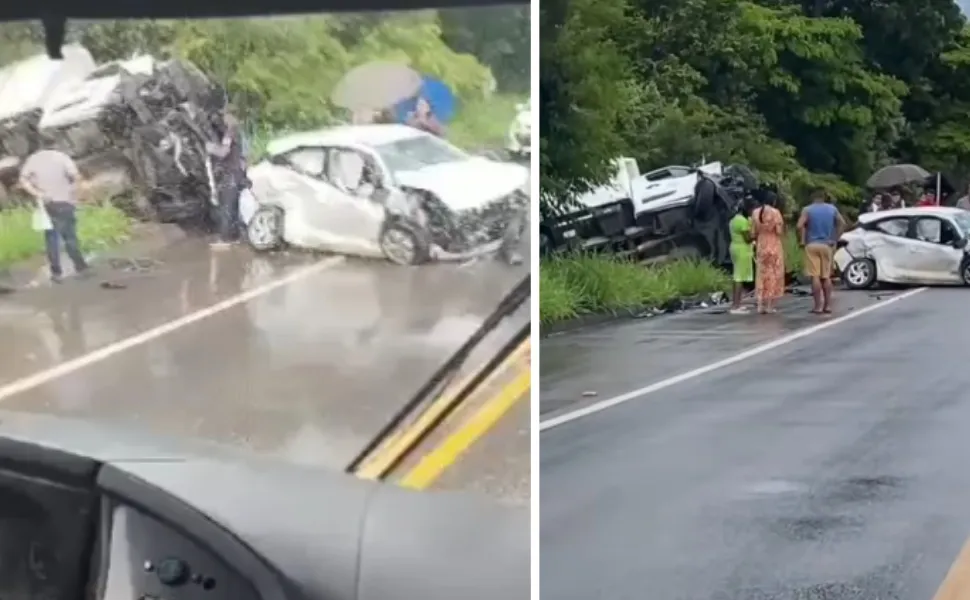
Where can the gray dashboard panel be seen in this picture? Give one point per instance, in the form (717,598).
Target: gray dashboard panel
(325,535)
(339,538)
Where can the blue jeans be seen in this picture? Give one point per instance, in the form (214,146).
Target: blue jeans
(63,217)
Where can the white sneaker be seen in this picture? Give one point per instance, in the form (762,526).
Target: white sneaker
(739,311)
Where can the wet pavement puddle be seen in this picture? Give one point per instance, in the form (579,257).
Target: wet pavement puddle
(774,487)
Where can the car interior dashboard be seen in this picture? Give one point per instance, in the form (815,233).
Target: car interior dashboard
(79,523)
(65,541)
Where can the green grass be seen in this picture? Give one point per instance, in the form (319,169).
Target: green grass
(574,285)
(794,255)
(99,226)
(484,124)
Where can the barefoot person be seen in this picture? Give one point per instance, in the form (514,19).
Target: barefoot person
(819,228)
(52,178)
(742,256)
(768,226)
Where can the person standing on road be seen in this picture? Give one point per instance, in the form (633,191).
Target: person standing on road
(768,226)
(53,180)
(230,176)
(819,228)
(742,256)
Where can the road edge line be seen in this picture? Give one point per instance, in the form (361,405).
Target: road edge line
(602,405)
(433,464)
(29,382)
(397,444)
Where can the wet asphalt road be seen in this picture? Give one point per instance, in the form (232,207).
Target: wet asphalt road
(307,372)
(831,468)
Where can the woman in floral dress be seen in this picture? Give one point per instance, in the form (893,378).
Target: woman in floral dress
(768,227)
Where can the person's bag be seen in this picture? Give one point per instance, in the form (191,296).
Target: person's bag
(40,220)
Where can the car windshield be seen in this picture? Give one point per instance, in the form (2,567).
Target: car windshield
(963,223)
(413,153)
(288,319)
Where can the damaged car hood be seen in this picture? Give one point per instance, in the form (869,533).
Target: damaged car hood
(468,184)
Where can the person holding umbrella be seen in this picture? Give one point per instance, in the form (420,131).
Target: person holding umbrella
(423,118)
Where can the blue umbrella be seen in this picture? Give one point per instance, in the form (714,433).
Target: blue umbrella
(438,95)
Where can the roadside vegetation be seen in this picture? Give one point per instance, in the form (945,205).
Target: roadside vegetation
(816,93)
(99,226)
(573,285)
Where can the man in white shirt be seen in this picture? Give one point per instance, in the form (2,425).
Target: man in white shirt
(52,178)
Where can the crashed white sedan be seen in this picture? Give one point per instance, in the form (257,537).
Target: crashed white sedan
(384,191)
(915,246)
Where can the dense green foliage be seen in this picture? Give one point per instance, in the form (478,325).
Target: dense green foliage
(807,92)
(280,71)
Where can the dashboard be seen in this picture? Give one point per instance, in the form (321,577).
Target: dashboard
(78,522)
(145,559)
(68,542)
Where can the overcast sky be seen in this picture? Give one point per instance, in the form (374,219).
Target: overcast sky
(965,6)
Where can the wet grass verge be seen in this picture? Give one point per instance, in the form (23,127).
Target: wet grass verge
(597,288)
(99,226)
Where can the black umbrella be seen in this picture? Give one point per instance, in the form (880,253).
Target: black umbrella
(895,175)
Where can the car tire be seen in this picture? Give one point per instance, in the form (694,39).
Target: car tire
(859,274)
(403,244)
(265,229)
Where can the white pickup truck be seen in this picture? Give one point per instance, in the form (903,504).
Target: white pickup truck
(628,208)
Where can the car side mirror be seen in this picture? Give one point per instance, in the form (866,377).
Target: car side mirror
(960,243)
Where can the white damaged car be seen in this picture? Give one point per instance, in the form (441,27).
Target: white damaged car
(910,246)
(384,191)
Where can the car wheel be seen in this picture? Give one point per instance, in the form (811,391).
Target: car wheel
(859,274)
(403,245)
(265,229)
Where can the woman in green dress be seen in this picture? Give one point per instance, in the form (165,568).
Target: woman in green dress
(742,256)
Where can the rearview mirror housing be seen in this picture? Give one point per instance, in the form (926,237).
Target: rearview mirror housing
(960,243)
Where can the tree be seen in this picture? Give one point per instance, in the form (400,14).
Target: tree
(589,98)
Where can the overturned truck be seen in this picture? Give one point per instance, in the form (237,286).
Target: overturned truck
(673,212)
(137,129)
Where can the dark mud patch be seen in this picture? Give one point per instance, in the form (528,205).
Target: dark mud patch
(864,489)
(815,527)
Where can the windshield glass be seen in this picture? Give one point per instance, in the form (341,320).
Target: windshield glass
(411,154)
(210,329)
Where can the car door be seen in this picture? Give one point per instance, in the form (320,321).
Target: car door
(353,214)
(297,185)
(932,258)
(885,241)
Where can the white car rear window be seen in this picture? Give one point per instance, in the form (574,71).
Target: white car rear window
(307,160)
(897,227)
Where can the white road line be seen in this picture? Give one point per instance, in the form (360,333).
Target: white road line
(65,368)
(746,354)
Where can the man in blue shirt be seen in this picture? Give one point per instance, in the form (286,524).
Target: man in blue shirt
(819,228)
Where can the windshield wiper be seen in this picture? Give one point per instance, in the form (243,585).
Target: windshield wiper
(518,296)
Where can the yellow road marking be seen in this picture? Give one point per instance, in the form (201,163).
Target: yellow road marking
(397,444)
(434,463)
(956,584)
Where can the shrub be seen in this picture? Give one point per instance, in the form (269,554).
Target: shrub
(573,285)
